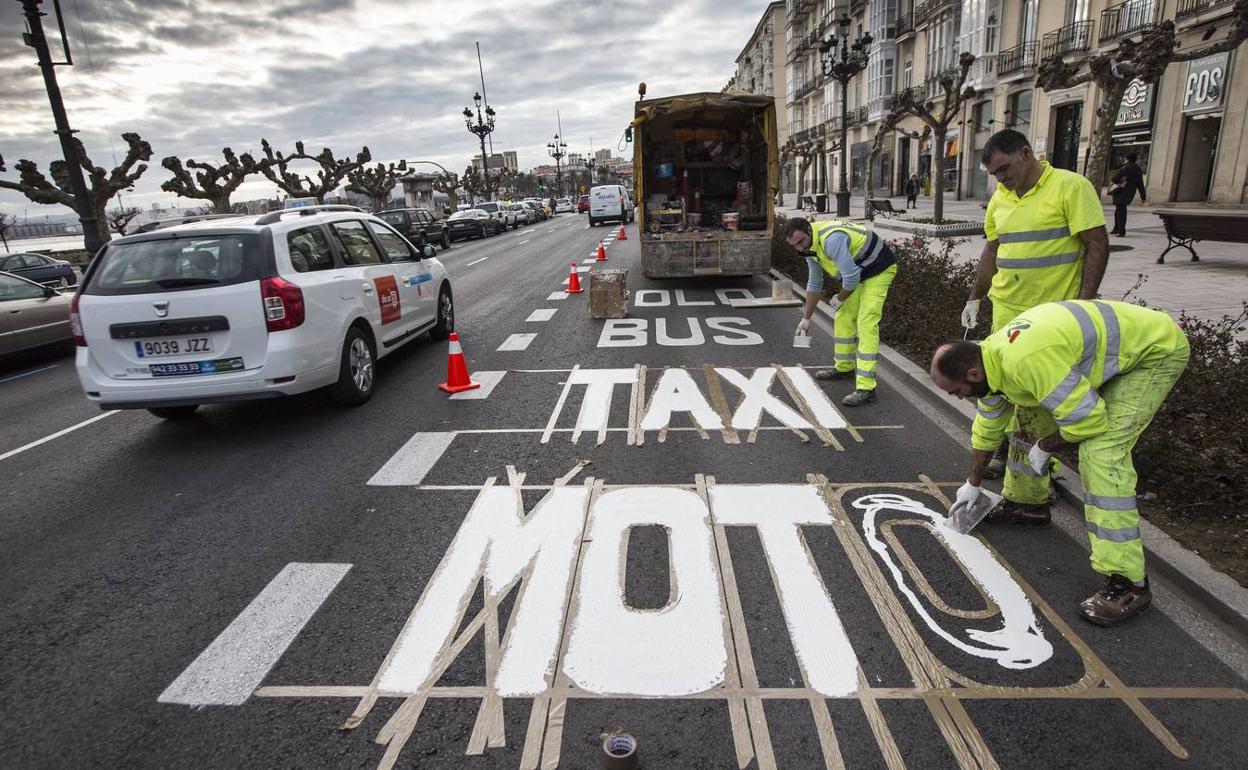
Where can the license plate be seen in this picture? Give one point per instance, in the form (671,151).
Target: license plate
(219,366)
(172,346)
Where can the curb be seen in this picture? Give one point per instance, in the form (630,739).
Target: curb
(1222,595)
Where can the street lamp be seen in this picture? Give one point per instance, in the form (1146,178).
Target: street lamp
(842,68)
(590,165)
(483,127)
(557,151)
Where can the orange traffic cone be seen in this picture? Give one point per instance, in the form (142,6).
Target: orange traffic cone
(623,236)
(457,379)
(574,282)
(602,253)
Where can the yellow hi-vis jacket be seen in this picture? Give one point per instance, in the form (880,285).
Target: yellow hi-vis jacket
(1057,354)
(868,251)
(1039,253)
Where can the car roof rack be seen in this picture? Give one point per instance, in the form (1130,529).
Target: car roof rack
(305,211)
(148,227)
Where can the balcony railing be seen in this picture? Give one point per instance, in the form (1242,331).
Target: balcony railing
(879,105)
(857,116)
(983,73)
(923,11)
(1073,38)
(904,25)
(1129,18)
(1194,7)
(932,86)
(856,5)
(1020,58)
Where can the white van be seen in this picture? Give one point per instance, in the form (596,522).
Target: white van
(609,203)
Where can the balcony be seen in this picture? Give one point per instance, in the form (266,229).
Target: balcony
(855,6)
(924,11)
(879,106)
(932,87)
(1073,38)
(983,73)
(904,25)
(857,116)
(1194,7)
(1017,60)
(1129,18)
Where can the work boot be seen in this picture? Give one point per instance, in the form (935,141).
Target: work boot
(1010,512)
(996,466)
(1119,600)
(833,374)
(859,398)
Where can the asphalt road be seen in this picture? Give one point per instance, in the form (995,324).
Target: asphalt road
(678,539)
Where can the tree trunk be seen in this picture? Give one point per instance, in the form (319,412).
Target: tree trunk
(938,174)
(101,222)
(870,210)
(221,204)
(1103,133)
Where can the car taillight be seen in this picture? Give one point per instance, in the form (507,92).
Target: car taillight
(283,304)
(75,322)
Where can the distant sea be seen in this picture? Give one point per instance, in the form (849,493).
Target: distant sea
(53,244)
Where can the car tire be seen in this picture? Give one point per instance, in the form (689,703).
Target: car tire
(173,412)
(446,241)
(445,323)
(357,371)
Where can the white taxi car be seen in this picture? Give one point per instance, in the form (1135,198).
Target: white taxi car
(232,308)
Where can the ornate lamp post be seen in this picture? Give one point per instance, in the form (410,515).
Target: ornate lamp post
(591,163)
(557,150)
(851,60)
(482,127)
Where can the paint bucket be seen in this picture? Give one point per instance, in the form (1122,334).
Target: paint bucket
(802,340)
(693,220)
(732,221)
(619,752)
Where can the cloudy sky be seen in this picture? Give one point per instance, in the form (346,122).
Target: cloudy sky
(193,76)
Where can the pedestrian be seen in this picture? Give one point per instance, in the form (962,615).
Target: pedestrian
(1046,242)
(1099,371)
(912,191)
(1126,182)
(866,266)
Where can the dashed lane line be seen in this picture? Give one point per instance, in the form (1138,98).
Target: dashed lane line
(487,381)
(470,264)
(415,459)
(541,314)
(20,375)
(516,342)
(557,295)
(526,240)
(58,434)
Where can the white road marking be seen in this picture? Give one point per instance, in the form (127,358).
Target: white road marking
(551,230)
(516,342)
(20,375)
(58,434)
(541,314)
(230,669)
(470,264)
(526,240)
(414,460)
(591,259)
(487,381)
(557,295)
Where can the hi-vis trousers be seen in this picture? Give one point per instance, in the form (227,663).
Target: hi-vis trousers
(857,328)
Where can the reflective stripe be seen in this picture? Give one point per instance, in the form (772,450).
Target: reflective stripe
(1082,409)
(1062,392)
(870,250)
(1089,336)
(1123,535)
(844,356)
(1024,469)
(992,401)
(1113,339)
(1110,503)
(845,340)
(1020,445)
(990,415)
(865,373)
(1034,235)
(868,356)
(1023,263)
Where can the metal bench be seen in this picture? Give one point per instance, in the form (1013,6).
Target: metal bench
(882,206)
(1186,226)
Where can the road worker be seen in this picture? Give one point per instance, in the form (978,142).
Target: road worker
(1100,370)
(1046,241)
(867,267)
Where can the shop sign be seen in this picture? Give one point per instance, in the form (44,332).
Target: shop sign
(1137,105)
(1206,82)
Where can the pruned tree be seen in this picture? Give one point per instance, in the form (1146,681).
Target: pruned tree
(448,185)
(887,126)
(473,183)
(276,168)
(119,218)
(1112,72)
(6,224)
(213,183)
(956,93)
(102,185)
(377,182)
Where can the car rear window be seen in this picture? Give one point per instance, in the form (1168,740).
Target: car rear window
(176,264)
(396,218)
(491,207)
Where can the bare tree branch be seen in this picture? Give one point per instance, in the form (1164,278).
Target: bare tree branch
(210,182)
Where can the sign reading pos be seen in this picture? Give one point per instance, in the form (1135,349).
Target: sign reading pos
(1206,81)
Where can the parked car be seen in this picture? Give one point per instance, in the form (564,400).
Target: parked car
(40,269)
(609,202)
(502,212)
(582,204)
(539,214)
(31,314)
(524,215)
(418,225)
(563,206)
(253,307)
(471,223)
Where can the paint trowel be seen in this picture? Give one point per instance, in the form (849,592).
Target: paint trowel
(964,517)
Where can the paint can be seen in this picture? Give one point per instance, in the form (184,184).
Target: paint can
(802,340)
(619,752)
(731,220)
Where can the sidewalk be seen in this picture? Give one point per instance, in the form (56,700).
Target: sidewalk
(1211,288)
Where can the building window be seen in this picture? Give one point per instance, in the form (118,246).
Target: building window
(1018,111)
(907,73)
(1027,21)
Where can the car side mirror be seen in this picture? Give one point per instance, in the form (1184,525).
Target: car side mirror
(49,292)
(429,251)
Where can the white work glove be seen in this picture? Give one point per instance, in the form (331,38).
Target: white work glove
(1039,459)
(835,302)
(803,328)
(968,493)
(970,314)
(960,519)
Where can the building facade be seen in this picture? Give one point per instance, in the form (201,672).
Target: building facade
(761,70)
(506,160)
(1187,129)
